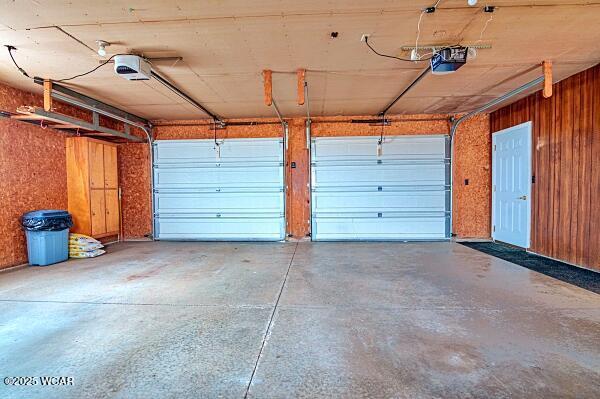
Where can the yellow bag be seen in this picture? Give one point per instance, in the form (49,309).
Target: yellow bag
(84,247)
(86,254)
(75,238)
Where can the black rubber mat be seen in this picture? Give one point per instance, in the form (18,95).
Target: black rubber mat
(562,271)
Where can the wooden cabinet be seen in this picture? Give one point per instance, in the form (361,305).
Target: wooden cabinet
(93,187)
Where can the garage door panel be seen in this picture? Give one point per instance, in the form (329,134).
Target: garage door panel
(231,192)
(223,203)
(377,201)
(209,229)
(378,175)
(253,151)
(357,228)
(338,148)
(219,177)
(402,193)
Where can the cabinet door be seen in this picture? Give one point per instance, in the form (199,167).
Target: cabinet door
(98,205)
(112,211)
(111,178)
(96,165)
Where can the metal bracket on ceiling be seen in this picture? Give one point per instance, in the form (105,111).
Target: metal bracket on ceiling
(79,100)
(269,100)
(65,122)
(437,47)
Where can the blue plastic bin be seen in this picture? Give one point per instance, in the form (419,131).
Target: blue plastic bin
(47,233)
(47,247)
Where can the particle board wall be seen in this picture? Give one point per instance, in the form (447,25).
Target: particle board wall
(471,212)
(134,178)
(472,179)
(32,174)
(32,169)
(566,164)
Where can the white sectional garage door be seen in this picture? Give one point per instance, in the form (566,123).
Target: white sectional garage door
(404,194)
(236,193)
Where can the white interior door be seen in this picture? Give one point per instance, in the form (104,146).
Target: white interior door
(511,185)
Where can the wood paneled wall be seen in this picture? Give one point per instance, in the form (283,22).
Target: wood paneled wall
(566,165)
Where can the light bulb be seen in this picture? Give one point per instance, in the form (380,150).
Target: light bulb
(471,2)
(102,44)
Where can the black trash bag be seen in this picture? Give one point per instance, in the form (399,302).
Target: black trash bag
(46,220)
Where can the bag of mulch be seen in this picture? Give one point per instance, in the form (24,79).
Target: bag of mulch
(86,254)
(75,238)
(84,247)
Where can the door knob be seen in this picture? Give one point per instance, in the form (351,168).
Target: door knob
(523,197)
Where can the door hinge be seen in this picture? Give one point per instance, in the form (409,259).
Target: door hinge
(494,188)
(494,147)
(494,228)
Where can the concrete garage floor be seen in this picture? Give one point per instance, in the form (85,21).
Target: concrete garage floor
(309,320)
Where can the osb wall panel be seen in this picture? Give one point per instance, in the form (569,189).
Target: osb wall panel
(401,124)
(179,130)
(566,162)
(472,201)
(134,178)
(472,179)
(32,174)
(32,169)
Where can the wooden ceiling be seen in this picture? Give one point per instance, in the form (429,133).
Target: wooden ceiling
(226,44)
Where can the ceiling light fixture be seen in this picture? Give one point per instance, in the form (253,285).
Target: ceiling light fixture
(102,45)
(472,2)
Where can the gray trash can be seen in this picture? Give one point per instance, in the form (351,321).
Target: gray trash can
(47,234)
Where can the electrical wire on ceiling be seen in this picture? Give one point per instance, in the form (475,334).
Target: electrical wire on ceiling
(418,33)
(427,10)
(90,71)
(485,27)
(389,56)
(10,50)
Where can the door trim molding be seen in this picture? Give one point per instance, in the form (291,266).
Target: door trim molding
(529,126)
